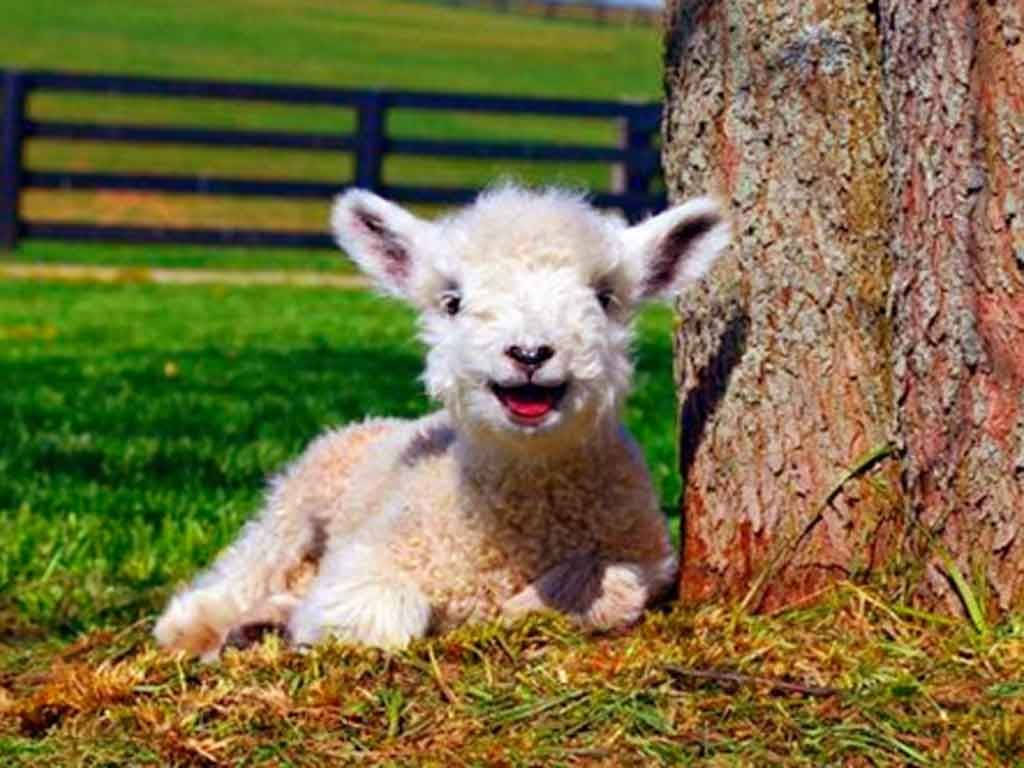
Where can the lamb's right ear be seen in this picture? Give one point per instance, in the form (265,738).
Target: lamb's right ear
(384,239)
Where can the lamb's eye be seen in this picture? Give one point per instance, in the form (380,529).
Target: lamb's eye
(451,301)
(605,297)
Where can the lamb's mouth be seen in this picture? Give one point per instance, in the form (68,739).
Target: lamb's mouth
(529,403)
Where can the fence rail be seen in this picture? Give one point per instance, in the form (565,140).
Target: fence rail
(599,11)
(635,158)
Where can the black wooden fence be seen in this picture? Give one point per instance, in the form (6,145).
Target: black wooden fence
(597,11)
(636,157)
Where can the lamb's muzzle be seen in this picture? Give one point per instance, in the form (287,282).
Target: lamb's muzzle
(530,358)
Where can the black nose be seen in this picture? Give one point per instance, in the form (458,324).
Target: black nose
(531,358)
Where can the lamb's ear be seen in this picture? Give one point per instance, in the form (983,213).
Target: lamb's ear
(384,239)
(675,247)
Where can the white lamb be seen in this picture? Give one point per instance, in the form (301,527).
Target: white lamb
(526,492)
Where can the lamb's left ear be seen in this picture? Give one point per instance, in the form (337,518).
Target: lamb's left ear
(675,247)
(384,239)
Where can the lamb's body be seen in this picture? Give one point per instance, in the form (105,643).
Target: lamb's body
(525,493)
(459,538)
(472,535)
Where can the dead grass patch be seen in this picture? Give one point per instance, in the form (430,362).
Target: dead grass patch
(849,681)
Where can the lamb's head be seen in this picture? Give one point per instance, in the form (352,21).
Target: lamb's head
(526,298)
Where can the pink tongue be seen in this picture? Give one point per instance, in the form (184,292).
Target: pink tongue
(530,409)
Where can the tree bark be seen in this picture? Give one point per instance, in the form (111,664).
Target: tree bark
(784,356)
(954,73)
(851,379)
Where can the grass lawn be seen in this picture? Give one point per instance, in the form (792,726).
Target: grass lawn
(868,687)
(371,43)
(140,422)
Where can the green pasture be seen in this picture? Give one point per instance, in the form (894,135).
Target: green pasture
(141,422)
(371,43)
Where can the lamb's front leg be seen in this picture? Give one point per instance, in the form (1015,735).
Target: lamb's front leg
(259,579)
(597,592)
(252,581)
(361,597)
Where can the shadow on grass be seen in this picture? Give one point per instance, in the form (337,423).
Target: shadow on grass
(121,473)
(71,414)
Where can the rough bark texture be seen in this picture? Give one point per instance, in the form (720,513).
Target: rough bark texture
(784,355)
(954,75)
(873,154)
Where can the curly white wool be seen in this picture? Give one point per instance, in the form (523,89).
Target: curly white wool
(387,530)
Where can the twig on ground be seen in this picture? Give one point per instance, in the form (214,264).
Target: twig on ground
(739,679)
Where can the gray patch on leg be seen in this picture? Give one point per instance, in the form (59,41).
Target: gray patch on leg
(574,585)
(247,635)
(319,543)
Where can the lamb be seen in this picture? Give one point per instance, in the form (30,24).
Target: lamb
(525,492)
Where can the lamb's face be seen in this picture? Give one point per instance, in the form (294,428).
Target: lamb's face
(526,298)
(526,329)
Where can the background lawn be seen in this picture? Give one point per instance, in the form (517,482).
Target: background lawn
(141,421)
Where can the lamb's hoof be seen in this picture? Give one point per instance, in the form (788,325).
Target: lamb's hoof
(247,635)
(191,623)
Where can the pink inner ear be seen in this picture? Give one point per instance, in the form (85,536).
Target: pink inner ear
(386,246)
(676,247)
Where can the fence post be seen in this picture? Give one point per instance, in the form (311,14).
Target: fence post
(634,177)
(370,124)
(10,157)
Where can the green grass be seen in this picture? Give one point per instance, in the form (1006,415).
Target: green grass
(376,43)
(141,422)
(373,43)
(193,257)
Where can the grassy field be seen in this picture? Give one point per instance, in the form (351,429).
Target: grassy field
(143,421)
(876,689)
(375,43)
(372,43)
(140,422)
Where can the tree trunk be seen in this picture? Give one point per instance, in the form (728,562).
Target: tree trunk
(784,359)
(954,73)
(824,435)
